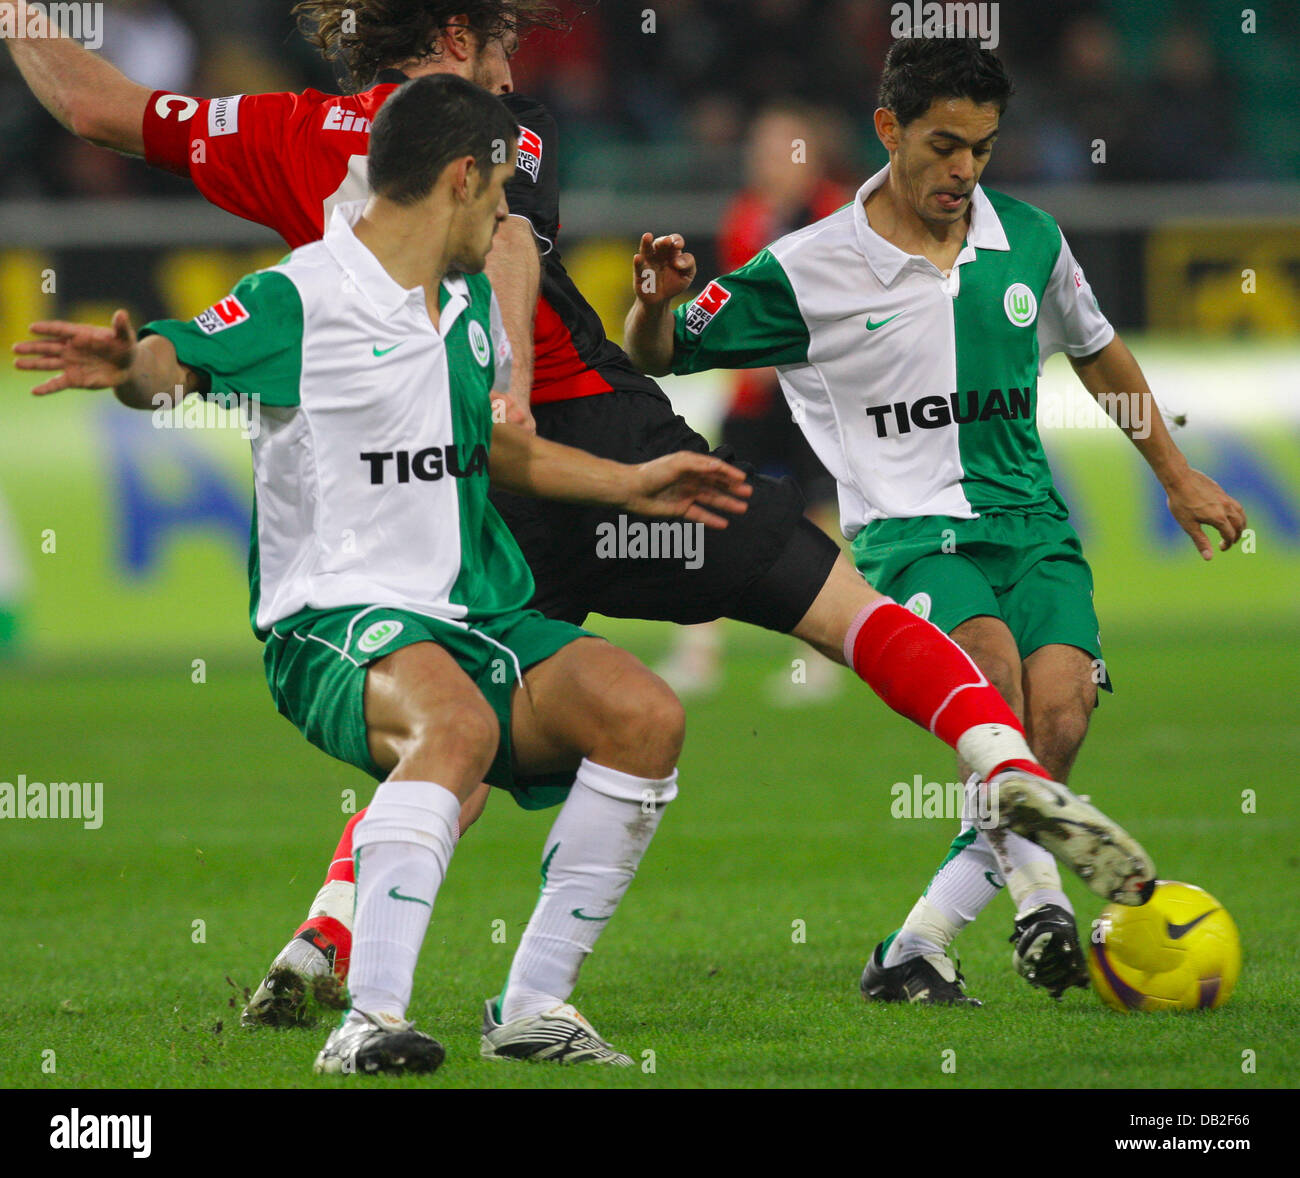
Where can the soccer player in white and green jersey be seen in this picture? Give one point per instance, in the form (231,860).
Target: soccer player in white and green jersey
(390,596)
(908,330)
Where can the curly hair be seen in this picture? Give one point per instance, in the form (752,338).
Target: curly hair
(366,36)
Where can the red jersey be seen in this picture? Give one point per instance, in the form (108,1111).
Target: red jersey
(282,160)
(285,160)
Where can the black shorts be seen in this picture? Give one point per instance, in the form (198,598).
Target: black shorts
(776,447)
(766,567)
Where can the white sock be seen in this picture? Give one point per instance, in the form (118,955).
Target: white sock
(926,932)
(986,746)
(403,846)
(1031,873)
(337,899)
(591,855)
(959,891)
(957,894)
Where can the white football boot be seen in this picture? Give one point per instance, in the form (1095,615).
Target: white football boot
(1101,852)
(561,1035)
(301,972)
(369,1043)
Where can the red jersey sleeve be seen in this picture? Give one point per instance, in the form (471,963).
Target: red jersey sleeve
(254,155)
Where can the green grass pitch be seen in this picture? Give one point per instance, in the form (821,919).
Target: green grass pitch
(216,811)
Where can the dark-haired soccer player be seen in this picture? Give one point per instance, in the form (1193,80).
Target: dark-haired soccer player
(910,327)
(284,160)
(371,354)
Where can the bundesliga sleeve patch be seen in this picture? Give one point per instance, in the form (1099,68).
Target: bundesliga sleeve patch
(230,312)
(702,312)
(529,160)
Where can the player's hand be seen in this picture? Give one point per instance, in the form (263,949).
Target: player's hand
(686,486)
(506,409)
(1197,499)
(89,357)
(662,269)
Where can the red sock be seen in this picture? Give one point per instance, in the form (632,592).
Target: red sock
(343,867)
(326,932)
(923,675)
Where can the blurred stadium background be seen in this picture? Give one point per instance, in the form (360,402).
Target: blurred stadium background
(1189,231)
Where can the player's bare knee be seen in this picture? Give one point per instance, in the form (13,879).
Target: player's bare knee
(462,737)
(664,721)
(649,724)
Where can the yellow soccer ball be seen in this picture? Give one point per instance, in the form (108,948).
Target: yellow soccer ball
(1178,951)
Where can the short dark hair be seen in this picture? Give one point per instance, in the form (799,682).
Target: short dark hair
(919,70)
(425,125)
(366,36)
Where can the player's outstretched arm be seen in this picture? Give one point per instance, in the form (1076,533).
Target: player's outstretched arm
(688,486)
(144,374)
(662,270)
(1114,379)
(84,92)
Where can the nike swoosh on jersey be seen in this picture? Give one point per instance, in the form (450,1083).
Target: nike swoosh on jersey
(385,351)
(872,326)
(1176,931)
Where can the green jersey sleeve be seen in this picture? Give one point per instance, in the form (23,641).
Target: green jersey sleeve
(249,344)
(748,319)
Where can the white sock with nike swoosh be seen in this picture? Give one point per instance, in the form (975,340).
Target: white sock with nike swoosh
(590,857)
(402,846)
(967,879)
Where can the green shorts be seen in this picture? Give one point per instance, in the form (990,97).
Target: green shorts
(1023,567)
(316,667)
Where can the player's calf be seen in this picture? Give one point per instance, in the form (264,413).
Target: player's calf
(1057,732)
(917,670)
(923,675)
(429,726)
(597,702)
(313,966)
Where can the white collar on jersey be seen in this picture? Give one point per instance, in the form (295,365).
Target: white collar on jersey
(371,279)
(887,260)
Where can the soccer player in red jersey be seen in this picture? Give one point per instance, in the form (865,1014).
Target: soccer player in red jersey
(284,160)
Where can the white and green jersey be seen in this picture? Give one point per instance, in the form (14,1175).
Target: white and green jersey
(370,452)
(918,391)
